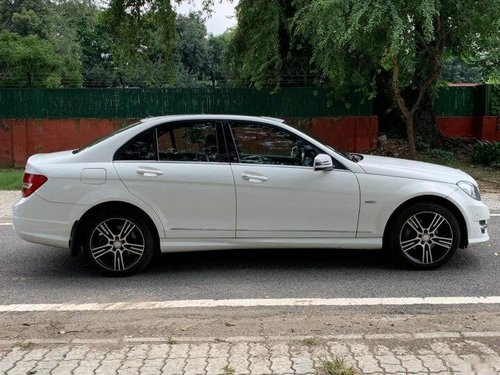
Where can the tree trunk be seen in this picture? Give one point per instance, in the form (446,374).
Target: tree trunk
(425,123)
(410,135)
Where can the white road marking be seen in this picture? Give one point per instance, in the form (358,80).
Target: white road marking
(6,224)
(271,302)
(494,214)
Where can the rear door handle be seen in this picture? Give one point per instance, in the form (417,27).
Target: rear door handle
(149,172)
(253,178)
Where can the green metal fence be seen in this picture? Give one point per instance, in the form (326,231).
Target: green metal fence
(289,102)
(463,101)
(136,103)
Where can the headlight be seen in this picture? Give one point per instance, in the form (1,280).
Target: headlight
(470,189)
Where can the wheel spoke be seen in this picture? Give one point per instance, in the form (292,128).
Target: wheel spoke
(134,249)
(426,254)
(410,244)
(127,228)
(415,224)
(99,251)
(436,222)
(119,264)
(442,241)
(105,231)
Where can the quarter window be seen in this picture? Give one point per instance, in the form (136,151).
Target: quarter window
(265,144)
(141,147)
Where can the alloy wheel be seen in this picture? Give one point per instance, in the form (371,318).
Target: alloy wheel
(426,237)
(117,244)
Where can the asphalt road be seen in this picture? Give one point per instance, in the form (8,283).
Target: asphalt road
(32,273)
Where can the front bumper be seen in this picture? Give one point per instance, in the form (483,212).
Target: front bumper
(476,215)
(48,223)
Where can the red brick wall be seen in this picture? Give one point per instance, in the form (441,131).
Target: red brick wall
(20,138)
(5,144)
(479,127)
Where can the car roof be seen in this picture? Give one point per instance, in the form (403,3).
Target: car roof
(210,116)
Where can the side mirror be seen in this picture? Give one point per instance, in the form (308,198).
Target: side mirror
(323,162)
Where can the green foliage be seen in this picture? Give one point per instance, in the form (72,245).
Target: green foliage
(487,153)
(443,154)
(31,61)
(264,52)
(143,34)
(38,47)
(495,100)
(255,49)
(456,70)
(352,40)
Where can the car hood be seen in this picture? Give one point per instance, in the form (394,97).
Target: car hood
(386,166)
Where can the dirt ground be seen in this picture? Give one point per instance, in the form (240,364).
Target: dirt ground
(222,323)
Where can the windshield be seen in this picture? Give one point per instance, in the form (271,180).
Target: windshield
(99,140)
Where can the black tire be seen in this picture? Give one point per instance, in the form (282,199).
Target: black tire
(424,236)
(119,242)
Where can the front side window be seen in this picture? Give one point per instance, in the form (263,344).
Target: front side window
(197,141)
(266,144)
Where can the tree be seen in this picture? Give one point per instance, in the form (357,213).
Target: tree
(43,26)
(355,41)
(31,61)
(217,64)
(264,51)
(191,47)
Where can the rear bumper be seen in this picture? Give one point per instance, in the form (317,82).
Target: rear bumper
(40,221)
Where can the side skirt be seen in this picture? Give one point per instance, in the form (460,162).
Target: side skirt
(204,244)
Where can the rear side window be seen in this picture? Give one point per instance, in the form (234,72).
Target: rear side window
(141,147)
(192,141)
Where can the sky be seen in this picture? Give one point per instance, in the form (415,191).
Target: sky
(222,16)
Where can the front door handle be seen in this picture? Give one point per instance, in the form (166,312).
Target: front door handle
(149,172)
(253,178)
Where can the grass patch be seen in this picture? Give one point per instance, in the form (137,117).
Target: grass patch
(336,367)
(310,341)
(11,179)
(228,370)
(27,345)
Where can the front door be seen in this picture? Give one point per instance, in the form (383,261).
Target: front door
(280,195)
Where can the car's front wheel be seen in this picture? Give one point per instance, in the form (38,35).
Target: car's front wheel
(425,236)
(119,243)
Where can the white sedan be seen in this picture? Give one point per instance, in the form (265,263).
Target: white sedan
(206,182)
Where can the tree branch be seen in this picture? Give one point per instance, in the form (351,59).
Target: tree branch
(395,90)
(438,51)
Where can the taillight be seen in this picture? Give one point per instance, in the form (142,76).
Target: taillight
(31,182)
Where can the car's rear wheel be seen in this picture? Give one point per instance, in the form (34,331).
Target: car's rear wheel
(119,243)
(425,236)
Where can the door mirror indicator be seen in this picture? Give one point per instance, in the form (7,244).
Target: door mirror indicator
(323,162)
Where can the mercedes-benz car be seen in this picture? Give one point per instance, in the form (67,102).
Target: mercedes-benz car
(212,182)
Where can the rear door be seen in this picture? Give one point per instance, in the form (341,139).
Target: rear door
(181,169)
